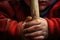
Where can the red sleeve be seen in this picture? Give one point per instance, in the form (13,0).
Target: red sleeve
(9,25)
(54,22)
(54,26)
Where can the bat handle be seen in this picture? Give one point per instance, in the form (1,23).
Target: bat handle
(35,9)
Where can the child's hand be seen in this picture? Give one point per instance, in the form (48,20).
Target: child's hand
(36,29)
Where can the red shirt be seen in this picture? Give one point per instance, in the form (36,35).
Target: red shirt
(11,13)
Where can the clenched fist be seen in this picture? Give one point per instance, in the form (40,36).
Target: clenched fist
(36,29)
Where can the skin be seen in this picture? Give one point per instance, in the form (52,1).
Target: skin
(36,30)
(33,28)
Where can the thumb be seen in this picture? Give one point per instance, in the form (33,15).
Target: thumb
(29,18)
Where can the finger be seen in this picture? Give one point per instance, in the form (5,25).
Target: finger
(31,23)
(34,34)
(29,18)
(32,29)
(38,33)
(39,38)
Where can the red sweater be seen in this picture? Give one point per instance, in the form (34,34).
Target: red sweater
(11,13)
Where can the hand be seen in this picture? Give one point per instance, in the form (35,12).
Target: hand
(36,29)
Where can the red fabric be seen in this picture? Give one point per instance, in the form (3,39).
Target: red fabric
(6,23)
(53,18)
(12,25)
